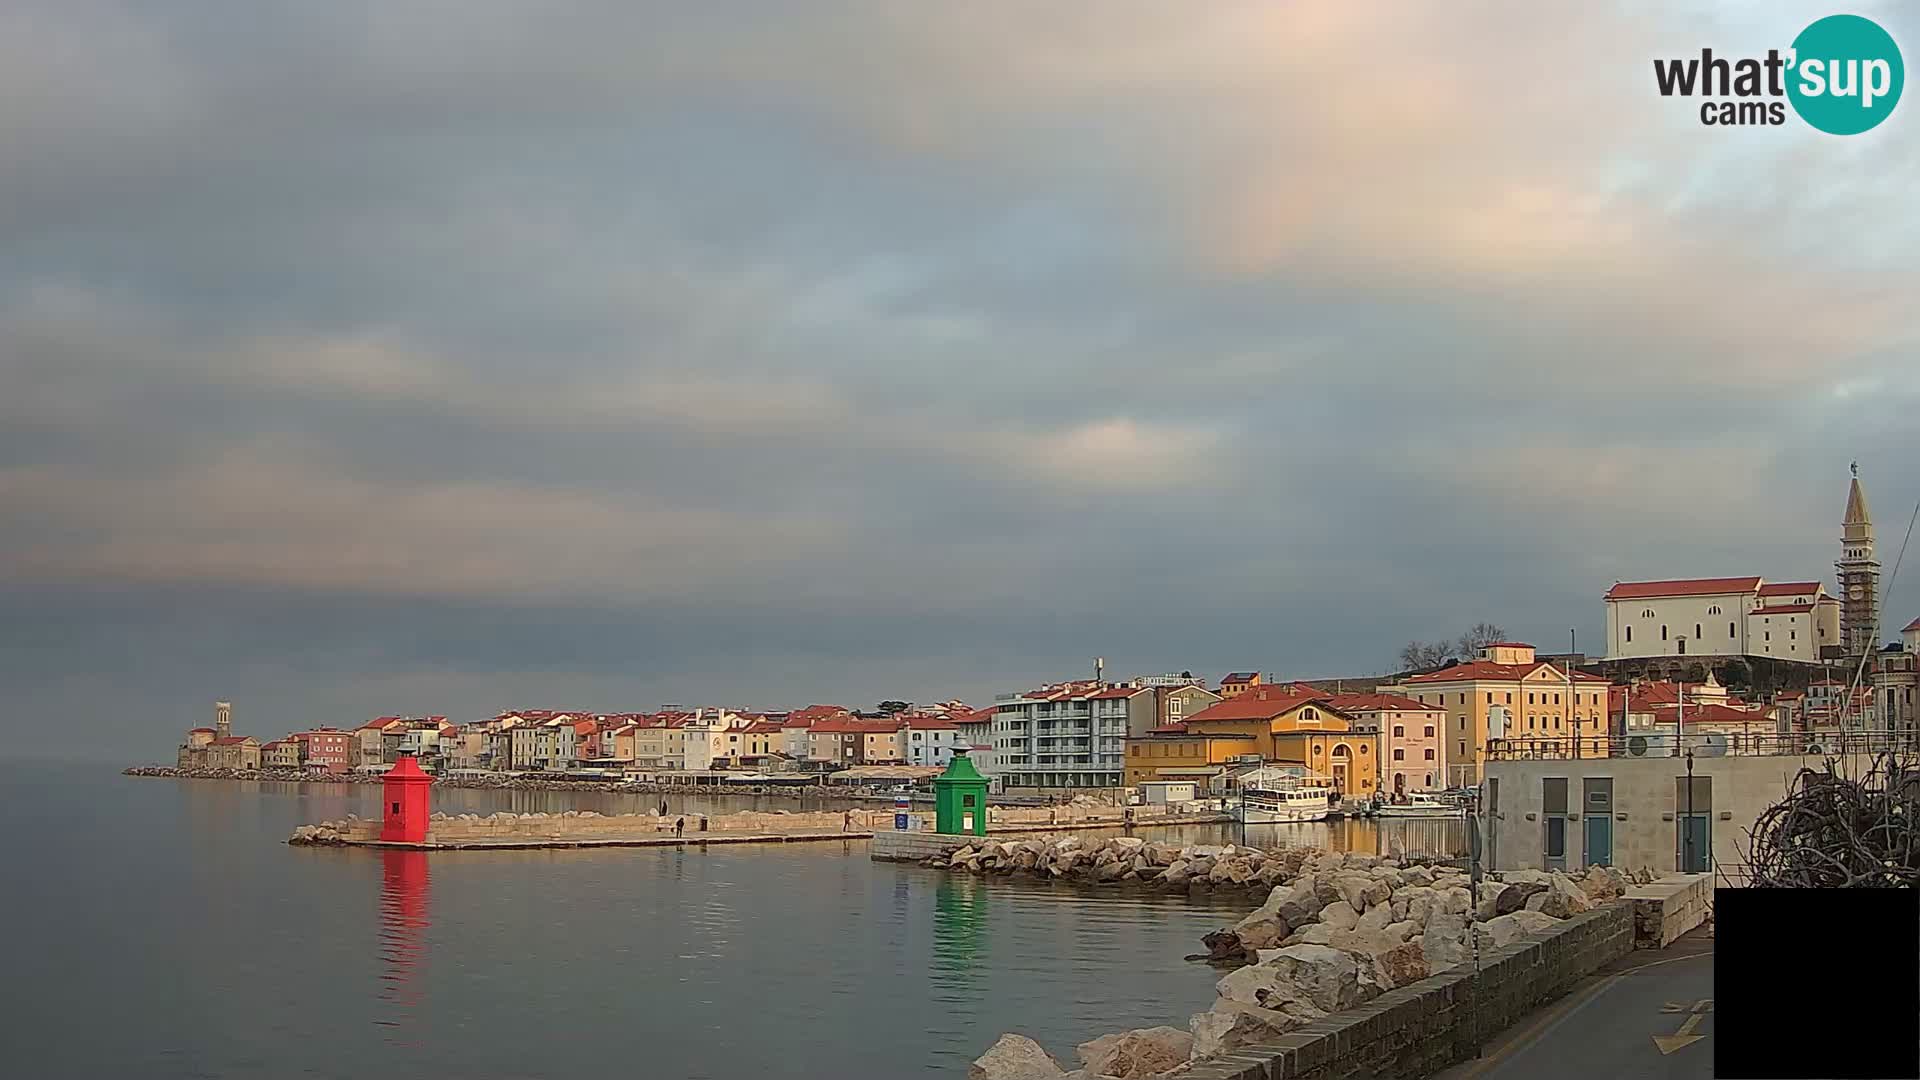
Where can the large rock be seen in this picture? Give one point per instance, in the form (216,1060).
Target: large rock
(1131,1054)
(1516,896)
(1401,931)
(1420,902)
(1126,845)
(1525,877)
(1603,883)
(1561,899)
(1301,904)
(1015,1057)
(1444,943)
(1261,930)
(1533,922)
(1339,915)
(1325,977)
(1362,891)
(1175,875)
(1374,920)
(1452,901)
(1400,965)
(1230,1026)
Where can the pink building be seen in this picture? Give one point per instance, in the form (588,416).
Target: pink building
(1412,752)
(325,750)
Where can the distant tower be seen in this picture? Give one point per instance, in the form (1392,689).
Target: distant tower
(223,719)
(1859,574)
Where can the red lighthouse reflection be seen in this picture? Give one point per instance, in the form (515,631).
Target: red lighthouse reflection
(403,934)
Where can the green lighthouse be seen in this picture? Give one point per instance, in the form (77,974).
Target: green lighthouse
(960,798)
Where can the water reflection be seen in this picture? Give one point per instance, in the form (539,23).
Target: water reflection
(959,931)
(404,920)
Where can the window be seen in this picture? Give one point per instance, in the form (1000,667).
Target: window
(1429,779)
(1714,610)
(1363,749)
(396,808)
(1793,635)
(1730,632)
(1401,755)
(1663,631)
(1400,731)
(1429,754)
(1768,635)
(1556,699)
(1530,700)
(1647,614)
(1629,633)
(1509,697)
(1463,748)
(1429,731)
(1696,631)
(1489,697)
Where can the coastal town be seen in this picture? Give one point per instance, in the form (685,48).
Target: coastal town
(1726,666)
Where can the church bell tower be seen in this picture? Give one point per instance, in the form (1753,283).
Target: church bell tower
(1859,575)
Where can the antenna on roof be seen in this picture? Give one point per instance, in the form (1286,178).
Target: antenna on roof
(1099,669)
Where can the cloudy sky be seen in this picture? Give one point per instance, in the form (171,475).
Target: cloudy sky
(446,356)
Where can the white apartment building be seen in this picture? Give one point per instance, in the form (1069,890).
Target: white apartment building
(928,741)
(1067,735)
(1744,616)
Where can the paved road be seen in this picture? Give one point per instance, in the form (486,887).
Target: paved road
(1606,1027)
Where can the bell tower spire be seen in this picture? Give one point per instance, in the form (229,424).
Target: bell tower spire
(1859,572)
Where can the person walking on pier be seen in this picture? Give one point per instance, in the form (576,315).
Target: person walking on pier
(846,824)
(680,827)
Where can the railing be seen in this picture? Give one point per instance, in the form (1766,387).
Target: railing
(1814,744)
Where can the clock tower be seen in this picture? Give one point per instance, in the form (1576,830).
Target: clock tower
(1859,575)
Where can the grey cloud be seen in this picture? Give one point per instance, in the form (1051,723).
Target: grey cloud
(459,355)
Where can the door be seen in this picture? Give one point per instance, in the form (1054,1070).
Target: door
(1553,810)
(1596,808)
(1599,840)
(1490,809)
(1556,842)
(1696,843)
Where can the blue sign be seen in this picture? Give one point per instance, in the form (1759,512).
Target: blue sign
(900,822)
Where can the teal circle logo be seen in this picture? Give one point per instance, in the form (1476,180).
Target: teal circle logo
(1846,75)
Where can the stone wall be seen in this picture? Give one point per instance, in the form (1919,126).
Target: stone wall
(892,846)
(1668,908)
(1427,1026)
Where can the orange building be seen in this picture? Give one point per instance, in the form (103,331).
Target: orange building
(1301,729)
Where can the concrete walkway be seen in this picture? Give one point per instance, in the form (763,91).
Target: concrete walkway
(1647,1015)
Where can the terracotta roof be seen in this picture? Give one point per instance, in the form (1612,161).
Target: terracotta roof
(1113,692)
(762,727)
(1782,609)
(232,740)
(1258,703)
(1647,590)
(1910,627)
(198,730)
(1710,714)
(1492,672)
(931,723)
(1378,702)
(1788,588)
(1506,645)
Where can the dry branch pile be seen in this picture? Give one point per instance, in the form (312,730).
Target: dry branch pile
(1834,831)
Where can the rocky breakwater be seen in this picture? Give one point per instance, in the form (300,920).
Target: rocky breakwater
(1339,931)
(1096,860)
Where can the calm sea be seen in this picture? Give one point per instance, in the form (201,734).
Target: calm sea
(162,928)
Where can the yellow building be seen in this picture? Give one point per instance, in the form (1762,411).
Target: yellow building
(1284,725)
(1173,753)
(1238,682)
(1521,698)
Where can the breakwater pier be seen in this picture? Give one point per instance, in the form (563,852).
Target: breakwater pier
(585,828)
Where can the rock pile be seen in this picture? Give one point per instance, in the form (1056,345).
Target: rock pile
(1105,860)
(504,781)
(1335,931)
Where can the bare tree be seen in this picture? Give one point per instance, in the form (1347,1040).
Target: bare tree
(1421,655)
(1478,637)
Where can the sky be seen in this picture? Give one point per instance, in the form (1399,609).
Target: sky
(445,357)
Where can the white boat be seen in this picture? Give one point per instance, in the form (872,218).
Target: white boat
(1419,804)
(1278,797)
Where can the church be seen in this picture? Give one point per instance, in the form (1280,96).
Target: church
(1795,621)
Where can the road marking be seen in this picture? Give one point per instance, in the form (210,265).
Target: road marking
(1685,1037)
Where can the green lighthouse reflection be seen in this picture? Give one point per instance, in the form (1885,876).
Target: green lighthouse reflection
(959,931)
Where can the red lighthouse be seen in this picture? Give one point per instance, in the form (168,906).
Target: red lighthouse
(406,803)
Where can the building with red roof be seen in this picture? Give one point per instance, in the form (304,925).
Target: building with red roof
(1715,617)
(1507,693)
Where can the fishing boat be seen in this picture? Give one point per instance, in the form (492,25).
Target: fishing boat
(1419,804)
(1283,796)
